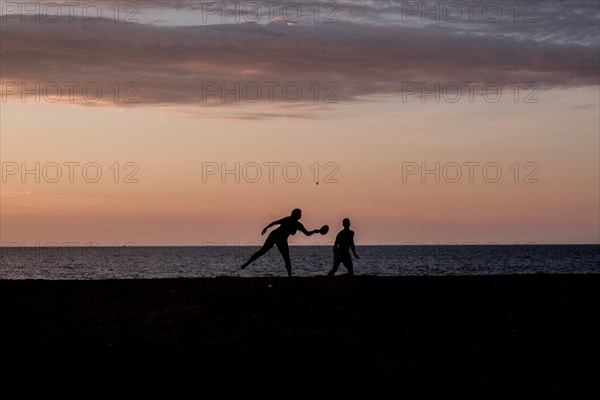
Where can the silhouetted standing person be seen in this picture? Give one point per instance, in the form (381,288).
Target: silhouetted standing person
(344,242)
(287,226)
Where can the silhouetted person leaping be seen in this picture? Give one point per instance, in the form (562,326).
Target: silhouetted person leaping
(344,242)
(287,226)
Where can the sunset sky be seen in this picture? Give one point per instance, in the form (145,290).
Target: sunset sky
(362,122)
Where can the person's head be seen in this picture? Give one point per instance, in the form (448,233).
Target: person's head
(297,213)
(346,223)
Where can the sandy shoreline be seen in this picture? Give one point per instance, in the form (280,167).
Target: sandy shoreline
(469,337)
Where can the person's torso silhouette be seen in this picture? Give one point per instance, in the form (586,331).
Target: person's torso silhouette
(344,239)
(288,226)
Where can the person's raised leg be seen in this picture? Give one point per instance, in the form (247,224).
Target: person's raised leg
(266,247)
(285,253)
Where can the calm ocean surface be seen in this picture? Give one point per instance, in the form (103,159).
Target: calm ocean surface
(174,262)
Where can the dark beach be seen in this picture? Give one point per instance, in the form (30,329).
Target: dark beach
(513,337)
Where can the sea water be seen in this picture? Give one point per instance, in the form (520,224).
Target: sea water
(82,263)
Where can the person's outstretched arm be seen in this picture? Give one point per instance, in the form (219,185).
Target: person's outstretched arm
(353,247)
(278,222)
(302,229)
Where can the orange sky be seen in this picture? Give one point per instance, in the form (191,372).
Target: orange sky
(367,138)
(171,205)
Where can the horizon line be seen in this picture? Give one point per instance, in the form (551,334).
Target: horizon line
(408,244)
